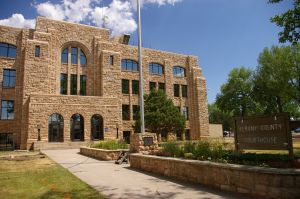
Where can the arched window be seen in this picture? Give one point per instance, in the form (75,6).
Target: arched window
(74,56)
(129,65)
(155,68)
(8,50)
(56,128)
(97,127)
(77,127)
(178,71)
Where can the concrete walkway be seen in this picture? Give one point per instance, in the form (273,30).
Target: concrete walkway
(120,181)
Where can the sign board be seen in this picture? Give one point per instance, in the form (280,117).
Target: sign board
(263,132)
(148,141)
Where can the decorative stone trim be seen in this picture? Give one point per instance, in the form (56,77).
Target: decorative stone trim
(255,181)
(101,154)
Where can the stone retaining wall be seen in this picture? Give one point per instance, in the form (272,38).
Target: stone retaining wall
(255,181)
(101,154)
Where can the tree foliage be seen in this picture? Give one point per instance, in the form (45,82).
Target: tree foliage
(161,116)
(236,94)
(217,116)
(290,21)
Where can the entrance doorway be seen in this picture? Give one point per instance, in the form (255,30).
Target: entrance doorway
(97,127)
(77,127)
(56,128)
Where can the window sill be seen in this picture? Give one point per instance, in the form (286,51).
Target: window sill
(7,119)
(10,58)
(6,87)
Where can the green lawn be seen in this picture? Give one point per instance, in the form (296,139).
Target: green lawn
(36,176)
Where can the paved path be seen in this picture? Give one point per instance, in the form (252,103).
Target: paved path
(120,181)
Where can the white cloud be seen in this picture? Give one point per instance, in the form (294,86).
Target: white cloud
(18,20)
(117,16)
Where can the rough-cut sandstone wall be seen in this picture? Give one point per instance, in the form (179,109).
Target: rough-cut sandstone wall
(38,76)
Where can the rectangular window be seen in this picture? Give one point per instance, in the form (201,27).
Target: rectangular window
(111,60)
(185,112)
(9,78)
(187,134)
(152,86)
(74,55)
(135,111)
(7,110)
(135,87)
(37,51)
(63,83)
(184,90)
(82,84)
(73,88)
(125,112)
(161,86)
(176,90)
(125,86)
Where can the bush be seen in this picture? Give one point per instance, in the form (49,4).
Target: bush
(172,149)
(110,145)
(202,150)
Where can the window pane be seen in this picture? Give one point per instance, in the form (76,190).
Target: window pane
(135,110)
(9,78)
(82,58)
(135,87)
(178,71)
(3,51)
(155,68)
(184,90)
(176,90)
(74,55)
(111,60)
(125,112)
(152,86)
(123,64)
(37,51)
(12,51)
(161,86)
(82,84)
(185,112)
(134,66)
(129,65)
(7,109)
(64,56)
(125,86)
(63,83)
(73,84)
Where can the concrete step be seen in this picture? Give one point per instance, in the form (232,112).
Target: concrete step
(42,145)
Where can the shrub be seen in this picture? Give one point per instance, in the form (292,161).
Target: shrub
(202,150)
(189,147)
(172,148)
(110,145)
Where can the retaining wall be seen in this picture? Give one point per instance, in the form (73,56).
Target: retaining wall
(255,181)
(101,154)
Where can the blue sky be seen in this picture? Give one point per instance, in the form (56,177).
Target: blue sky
(223,33)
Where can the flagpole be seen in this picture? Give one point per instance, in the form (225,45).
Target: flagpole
(140,67)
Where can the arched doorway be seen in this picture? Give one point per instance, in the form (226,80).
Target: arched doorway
(97,127)
(77,127)
(56,128)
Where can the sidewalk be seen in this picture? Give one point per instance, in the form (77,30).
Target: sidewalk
(120,181)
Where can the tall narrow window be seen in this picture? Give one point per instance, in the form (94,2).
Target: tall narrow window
(9,78)
(125,86)
(135,87)
(82,84)
(152,86)
(176,90)
(37,51)
(56,128)
(111,60)
(63,83)
(74,55)
(161,86)
(64,56)
(125,112)
(8,50)
(82,58)
(7,110)
(73,88)
(184,90)
(135,111)
(185,112)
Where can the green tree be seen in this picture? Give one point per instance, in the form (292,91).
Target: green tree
(161,116)
(290,21)
(277,79)
(217,116)
(236,95)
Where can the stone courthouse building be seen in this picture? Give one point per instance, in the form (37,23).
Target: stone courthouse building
(66,83)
